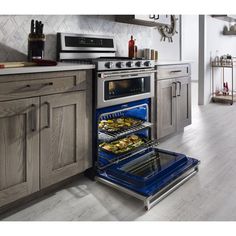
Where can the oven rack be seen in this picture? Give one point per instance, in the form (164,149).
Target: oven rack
(111,136)
(115,159)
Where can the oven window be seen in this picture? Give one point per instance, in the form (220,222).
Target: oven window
(145,166)
(126,87)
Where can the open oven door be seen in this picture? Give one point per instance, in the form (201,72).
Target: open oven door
(151,175)
(145,172)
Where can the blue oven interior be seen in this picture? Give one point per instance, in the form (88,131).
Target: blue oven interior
(138,110)
(146,170)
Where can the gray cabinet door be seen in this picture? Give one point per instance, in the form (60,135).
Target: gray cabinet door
(183,102)
(166,107)
(19,149)
(65,146)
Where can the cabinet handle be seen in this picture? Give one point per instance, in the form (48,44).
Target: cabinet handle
(175,71)
(34,118)
(48,84)
(175,85)
(39,85)
(180,85)
(156,17)
(48,115)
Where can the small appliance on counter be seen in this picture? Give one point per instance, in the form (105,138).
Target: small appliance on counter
(36,41)
(125,155)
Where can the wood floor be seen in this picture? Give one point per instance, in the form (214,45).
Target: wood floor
(210,195)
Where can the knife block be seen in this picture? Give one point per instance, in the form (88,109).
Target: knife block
(35,48)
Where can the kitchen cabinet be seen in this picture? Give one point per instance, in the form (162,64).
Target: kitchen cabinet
(19,149)
(45,130)
(166,107)
(173,100)
(64,137)
(183,98)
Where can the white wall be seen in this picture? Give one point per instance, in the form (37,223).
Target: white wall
(190,35)
(14,30)
(167,51)
(215,40)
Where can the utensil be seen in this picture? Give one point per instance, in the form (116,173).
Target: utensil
(36,62)
(32,27)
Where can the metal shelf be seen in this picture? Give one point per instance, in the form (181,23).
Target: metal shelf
(226,98)
(226,18)
(111,136)
(117,158)
(222,66)
(228,32)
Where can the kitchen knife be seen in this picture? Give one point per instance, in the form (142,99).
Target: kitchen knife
(37,28)
(40,27)
(32,27)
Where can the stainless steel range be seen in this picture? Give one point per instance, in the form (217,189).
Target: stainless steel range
(124,84)
(118,79)
(125,156)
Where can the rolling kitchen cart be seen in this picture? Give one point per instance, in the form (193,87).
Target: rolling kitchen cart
(219,97)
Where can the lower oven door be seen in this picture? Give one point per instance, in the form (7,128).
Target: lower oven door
(115,88)
(149,172)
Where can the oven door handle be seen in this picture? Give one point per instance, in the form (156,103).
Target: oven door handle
(130,74)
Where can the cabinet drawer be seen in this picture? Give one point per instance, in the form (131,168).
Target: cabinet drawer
(39,87)
(165,72)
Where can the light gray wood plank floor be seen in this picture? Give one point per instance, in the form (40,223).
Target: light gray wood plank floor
(210,195)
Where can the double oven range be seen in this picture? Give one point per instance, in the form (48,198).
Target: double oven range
(125,152)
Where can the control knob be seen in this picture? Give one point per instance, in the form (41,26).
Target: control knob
(139,63)
(109,65)
(130,64)
(147,63)
(120,64)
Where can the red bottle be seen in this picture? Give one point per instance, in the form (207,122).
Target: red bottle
(131,47)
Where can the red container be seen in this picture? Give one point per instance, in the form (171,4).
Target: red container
(131,47)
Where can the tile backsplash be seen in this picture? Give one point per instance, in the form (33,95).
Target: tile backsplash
(14,30)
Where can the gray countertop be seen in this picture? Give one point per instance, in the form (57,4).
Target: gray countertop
(40,69)
(66,67)
(160,63)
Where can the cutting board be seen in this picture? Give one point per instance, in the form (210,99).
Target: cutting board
(37,62)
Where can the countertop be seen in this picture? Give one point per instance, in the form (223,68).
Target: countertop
(67,67)
(39,69)
(160,63)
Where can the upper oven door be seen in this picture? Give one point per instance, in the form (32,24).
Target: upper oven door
(115,88)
